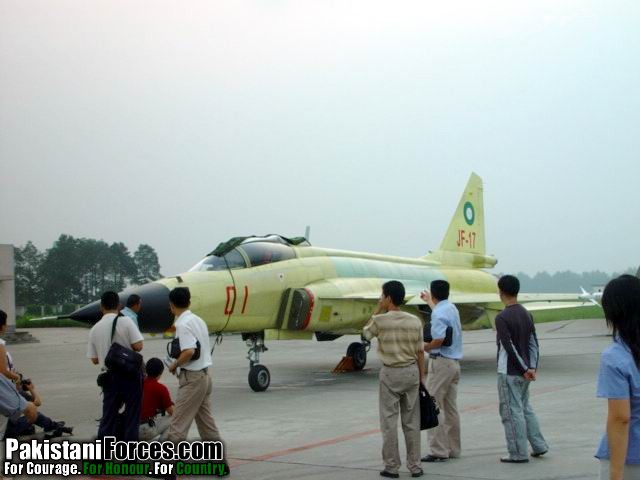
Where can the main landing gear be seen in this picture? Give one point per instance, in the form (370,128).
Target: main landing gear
(259,376)
(358,353)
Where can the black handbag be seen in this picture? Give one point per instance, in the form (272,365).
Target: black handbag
(173,349)
(122,360)
(428,410)
(448,335)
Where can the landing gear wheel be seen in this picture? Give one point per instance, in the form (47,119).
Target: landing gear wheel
(358,352)
(259,378)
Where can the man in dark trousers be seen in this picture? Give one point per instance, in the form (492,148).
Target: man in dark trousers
(120,390)
(518,355)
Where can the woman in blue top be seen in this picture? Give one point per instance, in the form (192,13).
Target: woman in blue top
(619,381)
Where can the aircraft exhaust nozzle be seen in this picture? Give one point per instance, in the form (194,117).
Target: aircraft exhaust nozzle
(154,316)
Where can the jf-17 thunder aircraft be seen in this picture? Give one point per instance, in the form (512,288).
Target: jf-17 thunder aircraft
(276,288)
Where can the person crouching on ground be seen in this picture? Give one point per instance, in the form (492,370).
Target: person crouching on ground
(156,402)
(22,426)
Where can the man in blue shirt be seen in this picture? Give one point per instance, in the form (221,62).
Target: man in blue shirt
(443,374)
(134,303)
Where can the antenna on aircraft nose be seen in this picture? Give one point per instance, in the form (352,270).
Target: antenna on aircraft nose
(307,232)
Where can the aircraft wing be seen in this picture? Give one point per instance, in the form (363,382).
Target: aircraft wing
(537,306)
(341,293)
(414,298)
(458,298)
(550,300)
(369,289)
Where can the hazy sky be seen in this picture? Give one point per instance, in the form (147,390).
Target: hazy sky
(181,124)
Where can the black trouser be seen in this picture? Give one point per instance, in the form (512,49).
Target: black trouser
(121,390)
(21,426)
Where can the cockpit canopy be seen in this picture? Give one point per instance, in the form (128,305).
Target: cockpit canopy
(248,252)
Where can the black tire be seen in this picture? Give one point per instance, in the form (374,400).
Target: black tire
(259,378)
(358,352)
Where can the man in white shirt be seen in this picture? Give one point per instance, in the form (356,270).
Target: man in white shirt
(194,395)
(119,390)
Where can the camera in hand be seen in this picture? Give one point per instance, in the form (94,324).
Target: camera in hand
(25,384)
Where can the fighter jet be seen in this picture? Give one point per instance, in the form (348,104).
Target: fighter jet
(277,288)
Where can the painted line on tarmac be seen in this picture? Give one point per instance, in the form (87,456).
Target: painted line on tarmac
(377,469)
(309,446)
(345,438)
(580,476)
(538,392)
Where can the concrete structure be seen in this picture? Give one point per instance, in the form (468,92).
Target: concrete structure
(8,285)
(8,296)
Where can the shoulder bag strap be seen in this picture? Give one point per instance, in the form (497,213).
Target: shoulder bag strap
(113,326)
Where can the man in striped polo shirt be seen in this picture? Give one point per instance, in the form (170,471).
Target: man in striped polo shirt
(400,349)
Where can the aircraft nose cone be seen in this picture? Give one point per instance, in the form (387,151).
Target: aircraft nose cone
(154,316)
(88,314)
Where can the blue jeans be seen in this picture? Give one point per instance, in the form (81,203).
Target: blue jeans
(518,419)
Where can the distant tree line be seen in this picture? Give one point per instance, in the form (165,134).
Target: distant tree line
(78,270)
(566,281)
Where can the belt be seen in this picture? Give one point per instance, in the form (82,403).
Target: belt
(439,355)
(150,421)
(399,366)
(204,370)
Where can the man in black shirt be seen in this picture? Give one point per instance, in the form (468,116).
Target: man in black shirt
(518,355)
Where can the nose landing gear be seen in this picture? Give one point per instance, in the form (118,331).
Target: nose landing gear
(358,353)
(259,376)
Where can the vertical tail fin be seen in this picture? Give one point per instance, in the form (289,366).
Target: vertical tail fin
(464,242)
(466,230)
